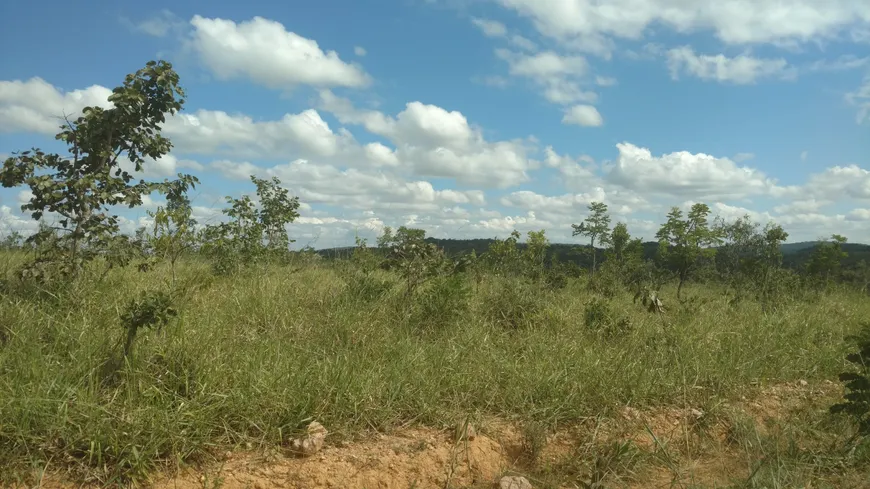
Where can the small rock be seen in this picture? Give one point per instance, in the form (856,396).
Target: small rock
(514,482)
(312,442)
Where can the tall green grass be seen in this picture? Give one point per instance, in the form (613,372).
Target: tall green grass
(251,357)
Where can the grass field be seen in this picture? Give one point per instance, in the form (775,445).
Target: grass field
(252,357)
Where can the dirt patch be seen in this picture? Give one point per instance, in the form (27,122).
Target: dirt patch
(419,458)
(687,446)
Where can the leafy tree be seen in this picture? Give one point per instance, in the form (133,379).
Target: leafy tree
(624,249)
(277,209)
(505,257)
(416,260)
(770,260)
(252,232)
(174,228)
(236,242)
(12,241)
(595,226)
(734,259)
(684,242)
(860,276)
(535,254)
(81,188)
(502,256)
(827,258)
(750,256)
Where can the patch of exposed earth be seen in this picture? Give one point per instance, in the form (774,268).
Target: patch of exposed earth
(426,458)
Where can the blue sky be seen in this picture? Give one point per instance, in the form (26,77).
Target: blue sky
(471,118)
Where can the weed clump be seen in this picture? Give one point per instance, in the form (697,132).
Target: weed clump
(600,318)
(444,302)
(857,383)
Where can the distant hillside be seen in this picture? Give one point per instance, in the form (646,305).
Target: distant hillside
(795,247)
(856,252)
(795,255)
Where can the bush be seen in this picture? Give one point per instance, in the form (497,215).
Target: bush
(606,281)
(600,318)
(857,382)
(512,304)
(442,303)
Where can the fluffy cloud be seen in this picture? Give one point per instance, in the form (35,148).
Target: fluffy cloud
(264,51)
(545,65)
(568,206)
(435,142)
(801,206)
(858,215)
(236,170)
(353,188)
(559,77)
(12,221)
(37,106)
(840,181)
(767,21)
(686,174)
(430,141)
(583,115)
(741,70)
(572,174)
(210,131)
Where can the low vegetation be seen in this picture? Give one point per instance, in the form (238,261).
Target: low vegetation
(121,356)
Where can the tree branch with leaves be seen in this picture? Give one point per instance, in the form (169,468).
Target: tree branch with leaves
(81,189)
(684,242)
(596,226)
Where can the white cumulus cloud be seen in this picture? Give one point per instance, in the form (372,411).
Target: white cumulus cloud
(37,106)
(264,51)
(583,115)
(681,173)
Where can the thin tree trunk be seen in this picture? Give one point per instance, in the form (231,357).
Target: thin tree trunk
(594,258)
(128,343)
(680,286)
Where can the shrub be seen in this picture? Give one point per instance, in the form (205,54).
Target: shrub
(444,302)
(512,304)
(149,310)
(857,397)
(600,318)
